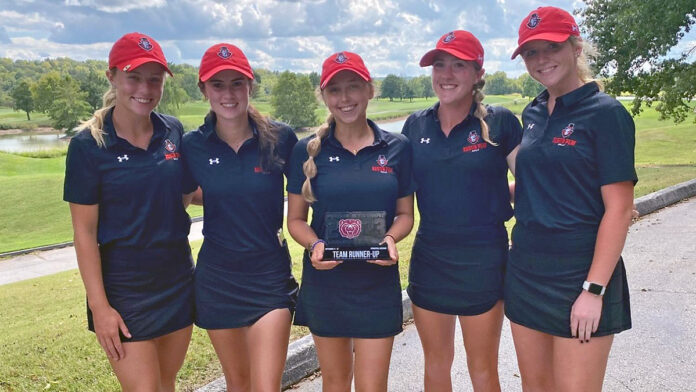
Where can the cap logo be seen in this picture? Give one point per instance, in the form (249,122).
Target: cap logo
(145,44)
(450,36)
(341,58)
(224,53)
(533,21)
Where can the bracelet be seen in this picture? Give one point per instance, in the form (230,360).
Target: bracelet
(313,244)
(392,237)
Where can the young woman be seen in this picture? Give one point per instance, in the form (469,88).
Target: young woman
(123,183)
(461,154)
(245,292)
(350,165)
(565,286)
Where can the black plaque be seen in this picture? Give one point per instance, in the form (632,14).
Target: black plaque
(355,235)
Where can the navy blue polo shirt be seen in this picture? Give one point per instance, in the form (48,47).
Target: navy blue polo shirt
(243,201)
(372,180)
(564,159)
(463,192)
(138,191)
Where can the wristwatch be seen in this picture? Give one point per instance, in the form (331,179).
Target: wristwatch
(593,288)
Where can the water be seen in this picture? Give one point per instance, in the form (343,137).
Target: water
(394,126)
(31,142)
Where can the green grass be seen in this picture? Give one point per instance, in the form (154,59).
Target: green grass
(31,185)
(18,119)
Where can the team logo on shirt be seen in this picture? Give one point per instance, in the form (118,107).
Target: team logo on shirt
(565,133)
(474,141)
(349,228)
(171,147)
(341,58)
(122,158)
(382,165)
(533,21)
(335,159)
(214,161)
(145,44)
(224,53)
(425,140)
(450,37)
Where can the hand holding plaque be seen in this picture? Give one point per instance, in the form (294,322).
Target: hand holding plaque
(355,235)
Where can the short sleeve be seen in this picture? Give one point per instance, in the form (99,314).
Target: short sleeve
(81,184)
(407,184)
(289,142)
(615,143)
(188,181)
(296,176)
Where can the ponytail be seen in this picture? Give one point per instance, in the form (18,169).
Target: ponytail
(96,123)
(310,167)
(481,111)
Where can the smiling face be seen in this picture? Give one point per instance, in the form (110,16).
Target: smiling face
(553,64)
(346,96)
(454,79)
(228,92)
(140,90)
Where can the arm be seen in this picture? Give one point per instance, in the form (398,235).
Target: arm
(613,228)
(298,208)
(195,197)
(107,321)
(400,228)
(510,159)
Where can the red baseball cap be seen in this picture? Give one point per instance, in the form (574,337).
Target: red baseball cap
(340,61)
(548,24)
(223,56)
(460,44)
(135,49)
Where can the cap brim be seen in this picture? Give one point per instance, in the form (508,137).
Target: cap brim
(143,60)
(332,74)
(429,58)
(553,37)
(204,78)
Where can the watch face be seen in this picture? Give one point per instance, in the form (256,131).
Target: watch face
(595,289)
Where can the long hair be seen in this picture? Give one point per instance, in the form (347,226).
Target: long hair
(268,134)
(309,168)
(480,112)
(583,61)
(96,123)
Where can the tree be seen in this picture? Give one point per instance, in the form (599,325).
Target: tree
(23,100)
(293,100)
(499,84)
(391,87)
(633,39)
(69,106)
(44,91)
(314,78)
(410,90)
(173,97)
(529,86)
(426,86)
(94,84)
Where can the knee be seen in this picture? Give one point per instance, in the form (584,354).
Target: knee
(538,383)
(237,385)
(337,381)
(438,362)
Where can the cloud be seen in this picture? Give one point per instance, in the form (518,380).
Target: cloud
(4,38)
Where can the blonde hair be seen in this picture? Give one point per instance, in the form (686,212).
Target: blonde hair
(481,112)
(96,123)
(587,51)
(309,168)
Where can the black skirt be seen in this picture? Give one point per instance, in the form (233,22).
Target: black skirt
(356,299)
(234,290)
(455,279)
(544,277)
(152,289)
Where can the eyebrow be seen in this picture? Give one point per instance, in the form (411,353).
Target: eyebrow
(221,80)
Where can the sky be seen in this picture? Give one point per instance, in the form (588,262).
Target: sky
(390,35)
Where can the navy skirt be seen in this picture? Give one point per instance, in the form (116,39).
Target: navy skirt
(356,300)
(152,289)
(544,277)
(234,290)
(454,279)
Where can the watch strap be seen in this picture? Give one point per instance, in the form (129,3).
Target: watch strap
(594,288)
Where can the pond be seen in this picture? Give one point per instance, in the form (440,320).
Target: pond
(394,126)
(31,142)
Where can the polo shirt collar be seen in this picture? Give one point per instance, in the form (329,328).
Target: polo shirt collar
(433,110)
(570,98)
(376,130)
(208,128)
(159,129)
